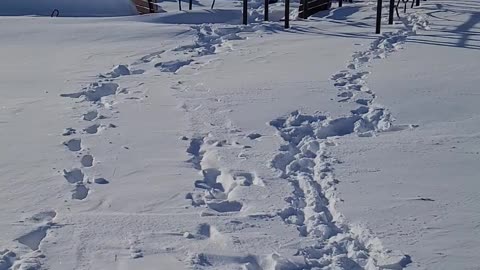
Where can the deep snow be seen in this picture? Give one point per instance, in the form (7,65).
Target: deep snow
(419,190)
(129,143)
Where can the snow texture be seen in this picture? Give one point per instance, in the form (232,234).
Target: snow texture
(187,140)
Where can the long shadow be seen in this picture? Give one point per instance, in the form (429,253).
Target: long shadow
(322,32)
(353,23)
(461,36)
(441,43)
(198,17)
(343,13)
(464,29)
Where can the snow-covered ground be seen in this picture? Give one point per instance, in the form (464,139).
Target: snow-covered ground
(419,190)
(164,142)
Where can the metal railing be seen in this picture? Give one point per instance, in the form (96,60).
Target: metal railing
(307,8)
(391,9)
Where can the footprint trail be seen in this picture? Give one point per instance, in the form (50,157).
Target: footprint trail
(307,164)
(215,189)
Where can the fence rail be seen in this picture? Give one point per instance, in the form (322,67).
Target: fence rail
(391,8)
(310,7)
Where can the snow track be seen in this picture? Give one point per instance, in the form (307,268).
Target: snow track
(29,255)
(104,93)
(305,161)
(218,184)
(327,240)
(96,106)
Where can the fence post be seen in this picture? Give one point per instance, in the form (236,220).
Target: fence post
(265,15)
(417,3)
(340,3)
(190,3)
(305,9)
(180,5)
(379,17)
(151,7)
(245,15)
(391,8)
(287,13)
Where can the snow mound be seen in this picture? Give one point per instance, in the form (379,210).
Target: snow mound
(70,8)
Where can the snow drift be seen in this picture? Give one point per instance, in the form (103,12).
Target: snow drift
(69,8)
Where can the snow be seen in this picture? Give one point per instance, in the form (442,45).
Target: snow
(70,8)
(129,143)
(422,186)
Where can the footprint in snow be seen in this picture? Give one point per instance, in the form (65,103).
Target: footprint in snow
(69,131)
(33,238)
(74,176)
(80,192)
(362,101)
(253,136)
(101,181)
(74,145)
(172,66)
(95,92)
(87,161)
(93,129)
(90,115)
(225,206)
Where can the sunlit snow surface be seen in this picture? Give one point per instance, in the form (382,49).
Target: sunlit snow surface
(184,140)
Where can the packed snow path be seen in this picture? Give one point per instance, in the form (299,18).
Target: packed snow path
(423,180)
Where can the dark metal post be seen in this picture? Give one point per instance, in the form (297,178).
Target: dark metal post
(265,15)
(245,15)
(305,9)
(340,3)
(287,13)
(391,8)
(179,4)
(190,3)
(151,6)
(379,17)
(417,3)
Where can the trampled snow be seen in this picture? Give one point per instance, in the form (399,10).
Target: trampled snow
(184,140)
